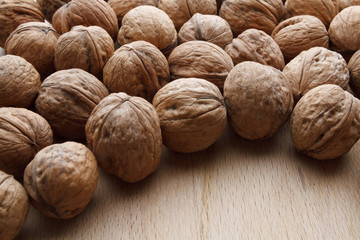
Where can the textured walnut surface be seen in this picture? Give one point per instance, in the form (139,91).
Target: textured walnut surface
(255,45)
(23,133)
(315,67)
(124,134)
(325,123)
(19,82)
(14,206)
(200,59)
(354,69)
(35,42)
(61,179)
(209,28)
(49,7)
(87,48)
(258,100)
(137,68)
(192,114)
(66,99)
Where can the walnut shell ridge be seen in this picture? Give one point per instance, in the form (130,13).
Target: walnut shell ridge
(325,123)
(354,70)
(61,179)
(124,134)
(49,7)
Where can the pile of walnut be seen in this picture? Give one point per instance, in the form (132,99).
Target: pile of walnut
(112,81)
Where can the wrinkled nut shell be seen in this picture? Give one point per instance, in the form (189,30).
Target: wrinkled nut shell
(325,123)
(49,7)
(124,134)
(138,69)
(87,48)
(354,69)
(258,100)
(66,99)
(255,45)
(14,207)
(199,59)
(19,82)
(23,133)
(315,67)
(61,179)
(35,42)
(192,114)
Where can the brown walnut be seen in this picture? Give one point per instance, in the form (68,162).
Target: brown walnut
(258,99)
(245,14)
(192,114)
(124,134)
(49,7)
(180,11)
(87,48)
(300,33)
(61,179)
(354,69)
(209,28)
(86,13)
(19,82)
(138,69)
(199,59)
(35,42)
(14,207)
(255,45)
(314,67)
(66,99)
(24,133)
(15,12)
(325,123)
(149,24)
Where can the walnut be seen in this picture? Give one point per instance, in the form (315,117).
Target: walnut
(66,99)
(149,24)
(14,207)
(86,13)
(180,11)
(137,68)
(61,179)
(258,100)
(192,114)
(121,7)
(209,28)
(49,7)
(300,33)
(15,12)
(19,82)
(354,70)
(124,134)
(325,123)
(34,41)
(200,59)
(245,14)
(87,48)
(255,45)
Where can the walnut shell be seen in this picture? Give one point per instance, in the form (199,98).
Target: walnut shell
(192,114)
(49,7)
(245,14)
(209,28)
(325,123)
(14,207)
(180,11)
(87,48)
(35,42)
(61,179)
(19,82)
(199,59)
(66,99)
(86,13)
(24,133)
(149,24)
(344,30)
(124,134)
(255,45)
(354,70)
(258,100)
(300,33)
(137,68)
(15,12)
